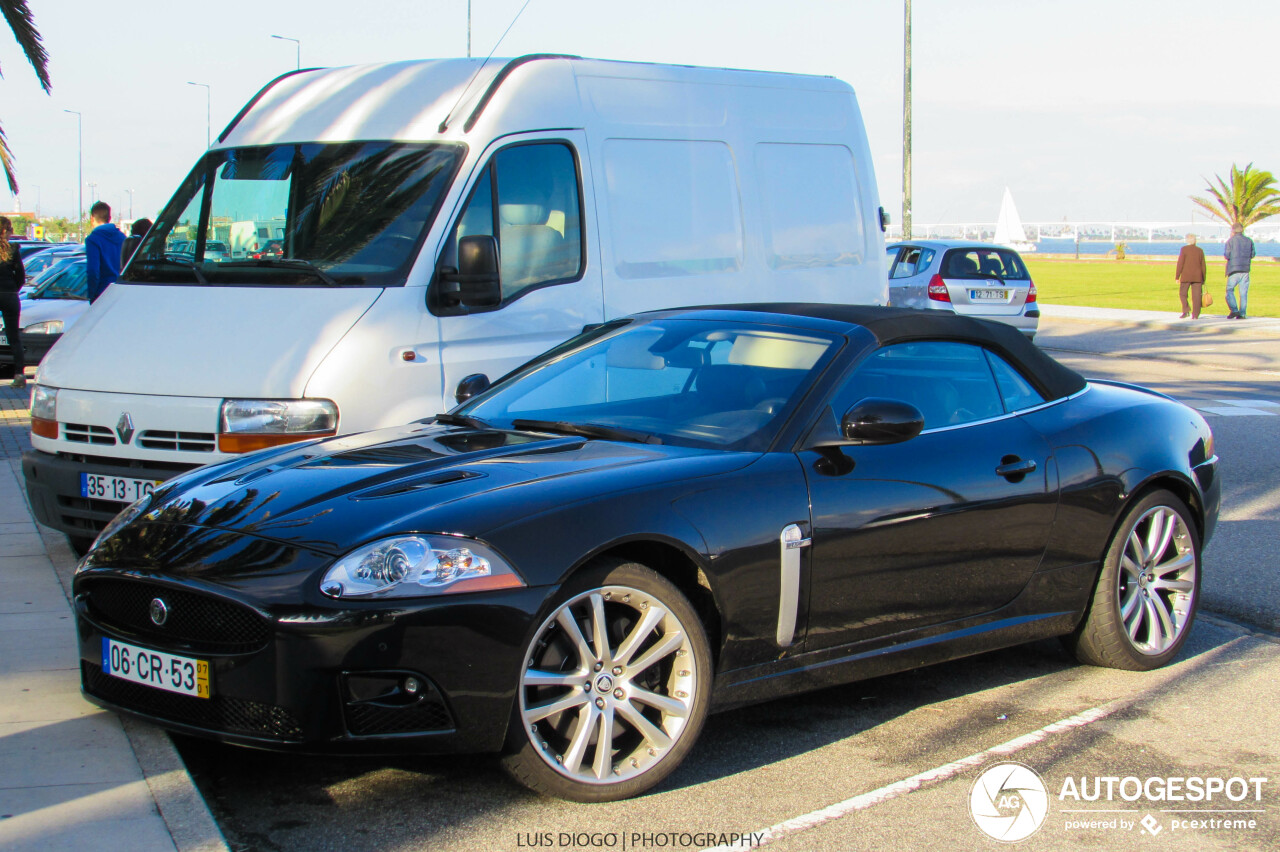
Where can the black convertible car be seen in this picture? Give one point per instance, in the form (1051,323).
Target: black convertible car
(673,513)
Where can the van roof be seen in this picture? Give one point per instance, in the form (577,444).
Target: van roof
(445,99)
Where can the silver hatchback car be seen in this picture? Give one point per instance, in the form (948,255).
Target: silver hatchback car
(963,277)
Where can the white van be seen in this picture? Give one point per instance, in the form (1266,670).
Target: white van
(442,218)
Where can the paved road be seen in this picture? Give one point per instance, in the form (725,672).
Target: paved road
(891,763)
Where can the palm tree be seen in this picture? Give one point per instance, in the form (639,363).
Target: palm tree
(24,30)
(1250,197)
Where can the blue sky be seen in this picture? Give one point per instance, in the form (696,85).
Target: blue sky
(1098,109)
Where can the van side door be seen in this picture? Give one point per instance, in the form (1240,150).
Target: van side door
(532,194)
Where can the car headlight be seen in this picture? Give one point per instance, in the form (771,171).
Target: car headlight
(416,565)
(44,411)
(246,425)
(47,327)
(130,514)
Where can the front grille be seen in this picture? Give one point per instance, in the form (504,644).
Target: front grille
(366,719)
(83,433)
(130,467)
(184,442)
(218,713)
(201,622)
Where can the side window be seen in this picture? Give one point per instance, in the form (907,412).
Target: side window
(914,260)
(891,254)
(527,197)
(1016,391)
(950,383)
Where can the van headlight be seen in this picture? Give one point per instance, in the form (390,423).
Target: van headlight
(245,425)
(416,565)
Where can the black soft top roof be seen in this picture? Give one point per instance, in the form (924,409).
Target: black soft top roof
(896,325)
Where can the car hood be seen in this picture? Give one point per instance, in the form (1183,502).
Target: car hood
(42,310)
(262,342)
(331,496)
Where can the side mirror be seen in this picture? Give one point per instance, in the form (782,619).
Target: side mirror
(881,421)
(473,384)
(476,282)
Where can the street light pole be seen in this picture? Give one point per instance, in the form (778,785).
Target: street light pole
(468,29)
(79,173)
(130,191)
(208,139)
(297,45)
(93,193)
(906,126)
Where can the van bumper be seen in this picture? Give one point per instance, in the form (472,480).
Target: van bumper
(53,487)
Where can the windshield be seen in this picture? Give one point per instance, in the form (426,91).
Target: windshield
(690,382)
(323,214)
(69,281)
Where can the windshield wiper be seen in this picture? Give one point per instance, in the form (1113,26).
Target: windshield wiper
(587,430)
(152,261)
(462,420)
(287,262)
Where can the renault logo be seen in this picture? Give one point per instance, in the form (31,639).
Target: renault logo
(124,427)
(159,612)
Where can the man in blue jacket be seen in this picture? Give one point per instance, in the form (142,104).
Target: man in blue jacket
(102,250)
(1239,253)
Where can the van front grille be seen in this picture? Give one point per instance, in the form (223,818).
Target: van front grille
(183,442)
(83,433)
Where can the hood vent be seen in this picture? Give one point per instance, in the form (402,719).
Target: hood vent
(420,483)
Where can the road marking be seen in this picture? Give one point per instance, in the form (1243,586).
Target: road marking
(813,819)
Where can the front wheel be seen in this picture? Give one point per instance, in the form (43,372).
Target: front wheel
(614,687)
(1148,590)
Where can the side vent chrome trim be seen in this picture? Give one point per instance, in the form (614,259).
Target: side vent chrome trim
(791,542)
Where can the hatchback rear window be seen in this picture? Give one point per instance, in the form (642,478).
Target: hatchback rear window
(984,263)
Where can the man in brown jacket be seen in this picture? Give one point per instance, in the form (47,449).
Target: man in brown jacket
(1190,273)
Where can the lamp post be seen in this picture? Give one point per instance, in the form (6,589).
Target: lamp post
(297,45)
(93,193)
(906,126)
(37,202)
(130,191)
(79,173)
(207,137)
(468,29)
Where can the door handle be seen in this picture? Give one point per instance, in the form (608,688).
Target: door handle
(1015,468)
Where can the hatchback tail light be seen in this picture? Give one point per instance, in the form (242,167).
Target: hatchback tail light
(938,289)
(1031,293)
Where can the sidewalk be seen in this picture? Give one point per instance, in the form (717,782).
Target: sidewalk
(1208,322)
(72,776)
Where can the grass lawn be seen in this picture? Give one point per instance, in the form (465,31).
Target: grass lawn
(1146,285)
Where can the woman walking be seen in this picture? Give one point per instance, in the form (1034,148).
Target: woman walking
(12,277)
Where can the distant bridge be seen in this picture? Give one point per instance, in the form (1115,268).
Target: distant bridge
(1092,231)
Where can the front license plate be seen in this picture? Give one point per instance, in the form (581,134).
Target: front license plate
(988,295)
(118,488)
(183,675)
(4,341)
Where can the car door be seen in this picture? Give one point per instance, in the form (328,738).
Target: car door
(949,524)
(532,197)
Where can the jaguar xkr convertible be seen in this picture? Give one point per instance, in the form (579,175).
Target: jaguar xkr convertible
(670,514)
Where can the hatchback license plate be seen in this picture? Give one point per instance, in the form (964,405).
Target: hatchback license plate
(183,675)
(120,489)
(988,295)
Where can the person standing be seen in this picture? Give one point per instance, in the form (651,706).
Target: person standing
(1239,253)
(102,250)
(12,277)
(136,233)
(1190,275)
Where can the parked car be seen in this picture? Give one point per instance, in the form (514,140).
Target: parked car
(967,278)
(682,511)
(40,261)
(48,311)
(270,249)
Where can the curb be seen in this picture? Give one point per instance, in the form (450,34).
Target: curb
(1118,319)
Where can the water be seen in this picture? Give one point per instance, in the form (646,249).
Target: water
(1132,247)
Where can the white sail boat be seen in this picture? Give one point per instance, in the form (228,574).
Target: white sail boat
(1009,231)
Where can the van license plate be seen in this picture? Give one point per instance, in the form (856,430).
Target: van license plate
(121,489)
(988,295)
(183,675)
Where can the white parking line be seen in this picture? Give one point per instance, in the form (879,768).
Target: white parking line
(915,782)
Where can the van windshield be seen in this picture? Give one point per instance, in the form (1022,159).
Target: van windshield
(311,214)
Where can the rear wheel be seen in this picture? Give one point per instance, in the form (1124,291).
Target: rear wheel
(614,687)
(1148,590)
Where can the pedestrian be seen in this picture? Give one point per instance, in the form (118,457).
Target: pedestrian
(102,249)
(1190,275)
(137,231)
(1239,253)
(12,277)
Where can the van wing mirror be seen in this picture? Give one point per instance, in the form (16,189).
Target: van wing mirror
(476,383)
(476,283)
(881,421)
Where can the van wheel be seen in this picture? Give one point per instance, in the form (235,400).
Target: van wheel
(1148,589)
(614,687)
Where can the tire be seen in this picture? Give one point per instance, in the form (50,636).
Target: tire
(1139,619)
(652,713)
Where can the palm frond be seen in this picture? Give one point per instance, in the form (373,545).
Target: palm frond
(20,20)
(6,161)
(1249,195)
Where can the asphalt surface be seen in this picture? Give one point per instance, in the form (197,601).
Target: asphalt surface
(892,763)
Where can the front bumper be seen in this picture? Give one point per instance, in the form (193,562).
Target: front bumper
(318,679)
(34,348)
